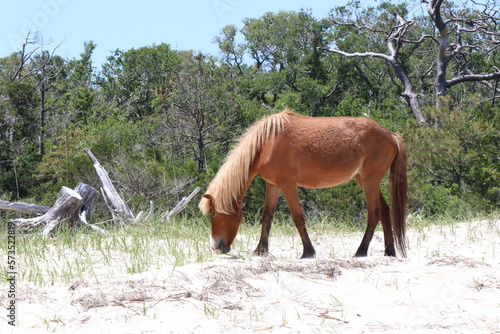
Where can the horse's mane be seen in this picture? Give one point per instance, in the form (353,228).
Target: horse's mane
(230,181)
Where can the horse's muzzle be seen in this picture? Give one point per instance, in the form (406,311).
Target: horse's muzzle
(219,245)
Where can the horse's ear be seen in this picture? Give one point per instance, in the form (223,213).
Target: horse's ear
(208,196)
(207,205)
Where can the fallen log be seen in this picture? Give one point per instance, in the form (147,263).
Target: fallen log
(30,209)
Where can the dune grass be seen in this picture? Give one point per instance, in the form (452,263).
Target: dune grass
(71,254)
(155,244)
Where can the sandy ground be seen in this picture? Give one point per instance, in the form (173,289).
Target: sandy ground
(450,283)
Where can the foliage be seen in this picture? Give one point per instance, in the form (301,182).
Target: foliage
(453,163)
(64,163)
(134,78)
(161,120)
(200,110)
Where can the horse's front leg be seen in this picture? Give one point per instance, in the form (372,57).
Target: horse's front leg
(272,194)
(292,198)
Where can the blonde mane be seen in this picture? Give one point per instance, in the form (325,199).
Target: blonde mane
(230,181)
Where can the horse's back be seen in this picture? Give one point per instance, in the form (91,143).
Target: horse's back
(320,152)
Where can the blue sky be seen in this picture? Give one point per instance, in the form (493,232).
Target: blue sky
(112,24)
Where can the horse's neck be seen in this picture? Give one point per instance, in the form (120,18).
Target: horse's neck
(239,201)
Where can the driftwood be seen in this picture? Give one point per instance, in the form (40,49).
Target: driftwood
(67,204)
(30,209)
(182,204)
(75,206)
(117,205)
(90,196)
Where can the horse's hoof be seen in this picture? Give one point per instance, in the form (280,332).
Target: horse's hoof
(390,252)
(308,256)
(259,252)
(359,254)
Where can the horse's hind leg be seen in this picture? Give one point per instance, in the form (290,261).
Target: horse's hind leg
(372,195)
(378,210)
(272,194)
(387,227)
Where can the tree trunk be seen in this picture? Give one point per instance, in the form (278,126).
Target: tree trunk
(41,137)
(67,204)
(90,196)
(434,10)
(409,92)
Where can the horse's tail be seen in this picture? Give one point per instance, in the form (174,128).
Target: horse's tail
(399,195)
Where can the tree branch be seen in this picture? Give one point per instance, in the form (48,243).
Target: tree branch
(408,91)
(473,77)
(357,54)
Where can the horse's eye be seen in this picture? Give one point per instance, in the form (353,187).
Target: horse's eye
(213,214)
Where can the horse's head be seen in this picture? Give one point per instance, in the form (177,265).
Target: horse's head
(224,225)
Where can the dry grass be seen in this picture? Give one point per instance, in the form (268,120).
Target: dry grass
(458,261)
(235,278)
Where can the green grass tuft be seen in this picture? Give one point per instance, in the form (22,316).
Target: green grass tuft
(154,244)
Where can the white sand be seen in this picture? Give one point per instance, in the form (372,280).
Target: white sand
(450,283)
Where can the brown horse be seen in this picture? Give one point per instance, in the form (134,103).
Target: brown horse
(288,151)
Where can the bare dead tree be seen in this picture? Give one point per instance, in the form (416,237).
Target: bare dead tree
(194,112)
(484,23)
(18,72)
(48,71)
(394,41)
(34,62)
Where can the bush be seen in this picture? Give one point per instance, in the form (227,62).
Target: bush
(453,164)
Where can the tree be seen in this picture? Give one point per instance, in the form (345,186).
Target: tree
(284,66)
(79,89)
(200,109)
(24,80)
(34,66)
(395,33)
(454,164)
(405,36)
(132,78)
(472,30)
(17,136)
